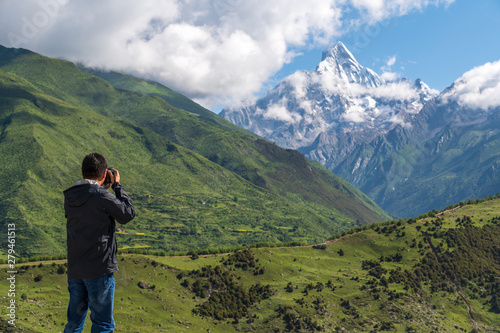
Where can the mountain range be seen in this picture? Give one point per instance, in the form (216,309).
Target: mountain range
(408,147)
(196,180)
(202,184)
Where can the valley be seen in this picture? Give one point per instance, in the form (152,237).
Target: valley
(195,181)
(418,275)
(410,148)
(236,234)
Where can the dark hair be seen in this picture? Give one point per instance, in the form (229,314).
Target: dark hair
(93,165)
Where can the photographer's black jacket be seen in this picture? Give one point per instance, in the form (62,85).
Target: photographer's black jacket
(91,212)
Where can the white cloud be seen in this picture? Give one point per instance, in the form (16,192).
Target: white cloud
(298,80)
(396,90)
(330,82)
(477,88)
(307,106)
(402,90)
(356,114)
(377,10)
(391,61)
(396,119)
(389,76)
(209,50)
(281,113)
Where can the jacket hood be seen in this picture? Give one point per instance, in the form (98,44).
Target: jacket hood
(78,194)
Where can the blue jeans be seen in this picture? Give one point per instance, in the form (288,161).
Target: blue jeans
(96,294)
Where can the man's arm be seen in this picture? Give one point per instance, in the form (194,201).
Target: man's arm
(119,206)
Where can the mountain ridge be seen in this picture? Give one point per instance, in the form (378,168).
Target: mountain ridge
(383,139)
(53,114)
(335,101)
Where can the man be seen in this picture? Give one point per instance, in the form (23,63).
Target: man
(91,212)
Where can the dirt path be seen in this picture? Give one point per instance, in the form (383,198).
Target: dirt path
(469,309)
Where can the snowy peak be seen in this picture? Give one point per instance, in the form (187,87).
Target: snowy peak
(339,51)
(340,63)
(340,98)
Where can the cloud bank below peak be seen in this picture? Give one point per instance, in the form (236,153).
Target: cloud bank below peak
(478,88)
(213,51)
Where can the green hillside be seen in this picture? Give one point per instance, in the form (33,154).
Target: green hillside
(435,162)
(195,183)
(434,274)
(127,82)
(241,151)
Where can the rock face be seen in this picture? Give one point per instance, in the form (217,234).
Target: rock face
(399,141)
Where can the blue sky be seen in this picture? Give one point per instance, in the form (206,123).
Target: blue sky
(437,44)
(221,52)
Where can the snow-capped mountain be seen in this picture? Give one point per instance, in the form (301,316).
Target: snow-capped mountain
(326,112)
(341,63)
(408,147)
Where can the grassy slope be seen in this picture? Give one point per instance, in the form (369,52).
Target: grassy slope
(217,139)
(168,307)
(185,200)
(151,88)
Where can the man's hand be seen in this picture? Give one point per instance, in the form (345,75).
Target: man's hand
(113,178)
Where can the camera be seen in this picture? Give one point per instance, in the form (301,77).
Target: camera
(107,180)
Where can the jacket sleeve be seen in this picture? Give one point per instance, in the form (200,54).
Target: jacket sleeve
(119,206)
